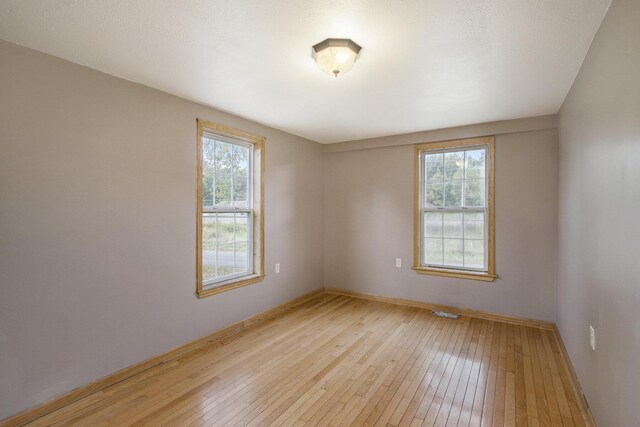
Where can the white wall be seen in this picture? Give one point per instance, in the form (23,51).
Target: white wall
(97,225)
(599,236)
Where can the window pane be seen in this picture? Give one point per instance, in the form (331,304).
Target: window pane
(208,247)
(222,189)
(434,194)
(241,228)
(225,254)
(474,225)
(432,224)
(240,191)
(474,253)
(433,167)
(208,168)
(226,244)
(207,191)
(241,176)
(225,228)
(223,174)
(209,222)
(453,165)
(453,193)
(475,192)
(433,251)
(241,264)
(453,252)
(452,224)
(208,270)
(475,163)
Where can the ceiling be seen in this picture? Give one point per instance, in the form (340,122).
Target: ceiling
(424,64)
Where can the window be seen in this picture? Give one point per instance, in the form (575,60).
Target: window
(229,219)
(454,218)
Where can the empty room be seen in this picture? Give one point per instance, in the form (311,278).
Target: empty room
(319,213)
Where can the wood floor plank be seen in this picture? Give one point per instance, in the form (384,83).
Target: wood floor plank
(340,361)
(551,401)
(460,373)
(521,391)
(483,375)
(286,373)
(365,374)
(377,408)
(413,346)
(540,395)
(336,386)
(510,394)
(563,404)
(462,405)
(403,394)
(269,414)
(500,409)
(412,403)
(529,384)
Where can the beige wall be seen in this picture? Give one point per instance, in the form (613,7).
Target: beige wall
(97,225)
(369,223)
(599,239)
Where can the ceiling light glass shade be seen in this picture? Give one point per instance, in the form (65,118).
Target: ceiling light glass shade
(336,56)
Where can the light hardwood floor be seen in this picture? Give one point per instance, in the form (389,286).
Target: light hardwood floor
(338,360)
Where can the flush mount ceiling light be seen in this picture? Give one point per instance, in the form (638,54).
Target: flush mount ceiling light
(336,56)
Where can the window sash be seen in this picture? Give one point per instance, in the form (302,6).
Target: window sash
(225,208)
(448,209)
(423,261)
(250,171)
(250,251)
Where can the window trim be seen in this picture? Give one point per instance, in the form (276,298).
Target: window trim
(257,174)
(490,274)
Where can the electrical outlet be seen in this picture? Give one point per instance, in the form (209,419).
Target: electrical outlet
(398,262)
(277,267)
(592,338)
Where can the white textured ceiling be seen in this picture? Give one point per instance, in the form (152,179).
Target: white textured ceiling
(425,64)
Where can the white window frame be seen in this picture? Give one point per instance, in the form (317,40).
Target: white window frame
(487,273)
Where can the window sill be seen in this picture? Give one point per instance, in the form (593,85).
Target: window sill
(458,274)
(227,286)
